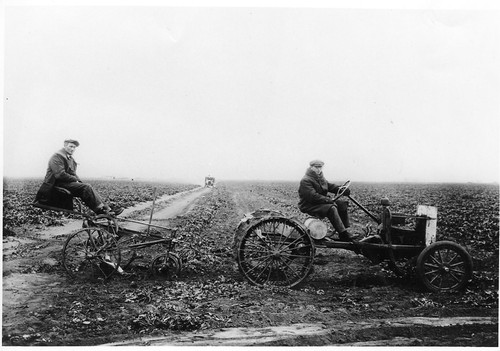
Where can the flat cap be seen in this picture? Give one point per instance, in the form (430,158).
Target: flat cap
(72,141)
(316,163)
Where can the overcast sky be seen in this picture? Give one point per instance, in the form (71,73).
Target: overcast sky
(168,92)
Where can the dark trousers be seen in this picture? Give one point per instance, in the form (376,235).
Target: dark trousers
(85,192)
(338,216)
(336,213)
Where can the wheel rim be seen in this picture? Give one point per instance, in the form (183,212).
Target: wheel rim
(445,268)
(277,252)
(166,266)
(91,253)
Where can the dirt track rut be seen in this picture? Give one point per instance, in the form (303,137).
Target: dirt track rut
(259,336)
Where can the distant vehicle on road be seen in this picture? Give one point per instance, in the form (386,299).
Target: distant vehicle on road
(209,182)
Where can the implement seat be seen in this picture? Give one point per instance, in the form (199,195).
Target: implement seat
(63,198)
(54,196)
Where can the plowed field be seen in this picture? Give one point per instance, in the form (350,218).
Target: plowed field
(354,301)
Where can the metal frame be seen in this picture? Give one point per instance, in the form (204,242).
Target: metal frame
(109,224)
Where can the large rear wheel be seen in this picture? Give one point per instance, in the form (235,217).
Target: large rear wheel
(275,251)
(91,253)
(444,266)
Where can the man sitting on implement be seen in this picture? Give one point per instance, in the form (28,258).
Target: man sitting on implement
(61,172)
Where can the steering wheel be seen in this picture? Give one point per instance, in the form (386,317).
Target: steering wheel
(341,190)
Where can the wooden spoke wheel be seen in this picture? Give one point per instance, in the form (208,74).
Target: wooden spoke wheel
(444,266)
(166,266)
(91,253)
(274,251)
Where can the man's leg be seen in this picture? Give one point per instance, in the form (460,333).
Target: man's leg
(342,207)
(84,191)
(338,224)
(334,217)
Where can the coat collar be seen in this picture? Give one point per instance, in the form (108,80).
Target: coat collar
(320,178)
(64,154)
(311,173)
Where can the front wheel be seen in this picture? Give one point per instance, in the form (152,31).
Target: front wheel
(444,266)
(91,253)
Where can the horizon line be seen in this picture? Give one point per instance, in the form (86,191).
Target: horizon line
(264,180)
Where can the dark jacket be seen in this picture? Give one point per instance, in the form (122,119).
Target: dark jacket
(313,191)
(61,169)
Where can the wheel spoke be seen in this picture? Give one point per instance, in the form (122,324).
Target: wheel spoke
(259,256)
(440,282)
(260,253)
(434,271)
(259,263)
(439,253)
(266,268)
(292,270)
(455,255)
(432,265)
(434,277)
(438,262)
(283,236)
(458,271)
(291,244)
(258,244)
(461,264)
(454,277)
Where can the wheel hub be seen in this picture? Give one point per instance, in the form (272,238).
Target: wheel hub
(276,255)
(445,269)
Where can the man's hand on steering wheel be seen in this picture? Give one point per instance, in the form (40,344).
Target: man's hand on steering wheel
(343,190)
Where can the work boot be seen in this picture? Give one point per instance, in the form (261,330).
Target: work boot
(117,210)
(101,211)
(113,211)
(106,210)
(346,236)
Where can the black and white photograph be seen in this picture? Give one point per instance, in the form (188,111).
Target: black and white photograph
(250,173)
